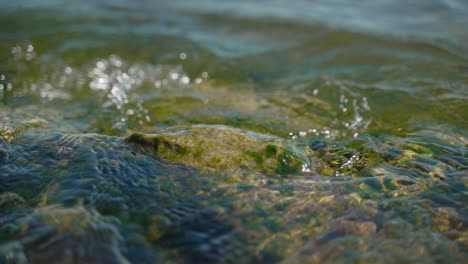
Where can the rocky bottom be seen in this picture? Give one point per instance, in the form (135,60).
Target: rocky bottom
(215,194)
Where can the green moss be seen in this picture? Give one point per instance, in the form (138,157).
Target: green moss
(215,160)
(287,164)
(257,156)
(15,124)
(198,152)
(211,148)
(271,150)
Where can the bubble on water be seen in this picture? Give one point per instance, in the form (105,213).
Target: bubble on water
(48,92)
(183,56)
(306,168)
(23,52)
(185,79)
(115,60)
(365,104)
(157,84)
(174,75)
(100,83)
(15,49)
(113,82)
(100,65)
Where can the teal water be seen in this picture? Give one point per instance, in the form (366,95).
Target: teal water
(373,93)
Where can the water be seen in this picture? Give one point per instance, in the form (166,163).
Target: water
(373,93)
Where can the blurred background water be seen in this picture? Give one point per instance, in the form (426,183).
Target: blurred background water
(389,71)
(303,64)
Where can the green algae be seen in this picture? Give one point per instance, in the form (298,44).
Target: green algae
(367,134)
(12,125)
(216,148)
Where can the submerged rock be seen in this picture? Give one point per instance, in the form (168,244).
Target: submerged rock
(10,200)
(61,196)
(58,190)
(55,234)
(215,148)
(11,127)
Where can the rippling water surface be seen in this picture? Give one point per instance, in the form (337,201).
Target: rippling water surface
(370,97)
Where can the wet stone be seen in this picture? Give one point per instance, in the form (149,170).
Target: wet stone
(70,235)
(167,198)
(221,148)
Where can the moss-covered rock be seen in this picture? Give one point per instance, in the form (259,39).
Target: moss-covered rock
(215,148)
(10,128)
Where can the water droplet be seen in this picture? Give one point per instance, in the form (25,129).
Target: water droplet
(174,76)
(185,80)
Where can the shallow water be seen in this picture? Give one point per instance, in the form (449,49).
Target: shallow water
(373,94)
